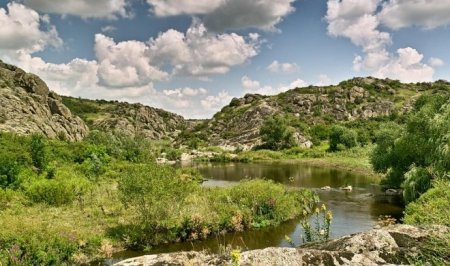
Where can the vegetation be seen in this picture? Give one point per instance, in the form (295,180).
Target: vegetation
(276,134)
(65,203)
(414,156)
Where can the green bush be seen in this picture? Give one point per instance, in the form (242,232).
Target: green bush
(319,133)
(9,171)
(342,138)
(433,207)
(276,133)
(57,191)
(38,152)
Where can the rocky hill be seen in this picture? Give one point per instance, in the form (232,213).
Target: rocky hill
(130,119)
(359,98)
(28,106)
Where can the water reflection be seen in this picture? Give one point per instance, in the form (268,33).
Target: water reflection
(353,211)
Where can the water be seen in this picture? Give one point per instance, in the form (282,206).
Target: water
(353,211)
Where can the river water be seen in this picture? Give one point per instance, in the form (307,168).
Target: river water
(353,211)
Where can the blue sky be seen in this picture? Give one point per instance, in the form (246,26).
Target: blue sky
(193,56)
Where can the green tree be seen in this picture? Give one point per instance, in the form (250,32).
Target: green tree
(342,138)
(38,152)
(276,133)
(411,158)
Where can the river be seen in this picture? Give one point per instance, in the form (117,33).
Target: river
(353,211)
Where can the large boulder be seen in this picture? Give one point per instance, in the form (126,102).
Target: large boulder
(28,106)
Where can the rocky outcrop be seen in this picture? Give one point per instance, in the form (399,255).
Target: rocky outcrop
(397,244)
(126,118)
(28,106)
(238,124)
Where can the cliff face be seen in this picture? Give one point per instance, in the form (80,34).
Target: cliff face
(356,99)
(130,119)
(28,106)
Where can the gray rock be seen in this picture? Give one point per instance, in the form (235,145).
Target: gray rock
(391,245)
(27,106)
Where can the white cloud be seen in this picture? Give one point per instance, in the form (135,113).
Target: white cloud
(298,83)
(324,80)
(359,21)
(125,64)
(435,62)
(200,53)
(108,29)
(249,84)
(219,15)
(277,67)
(429,14)
(215,102)
(23,28)
(185,92)
(83,8)
(406,66)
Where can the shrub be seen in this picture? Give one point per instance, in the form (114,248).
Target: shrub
(276,133)
(342,138)
(9,171)
(57,191)
(319,133)
(38,152)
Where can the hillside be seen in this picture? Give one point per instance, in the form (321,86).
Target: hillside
(28,106)
(130,119)
(357,99)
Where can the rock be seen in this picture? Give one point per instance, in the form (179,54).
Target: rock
(302,141)
(396,244)
(28,106)
(327,188)
(393,192)
(347,188)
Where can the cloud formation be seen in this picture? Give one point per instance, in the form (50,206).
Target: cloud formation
(359,21)
(428,14)
(219,15)
(24,29)
(277,67)
(110,9)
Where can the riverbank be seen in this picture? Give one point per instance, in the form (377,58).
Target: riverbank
(395,244)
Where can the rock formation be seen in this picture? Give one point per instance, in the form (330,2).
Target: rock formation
(392,245)
(28,106)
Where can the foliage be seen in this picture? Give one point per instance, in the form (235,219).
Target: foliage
(342,138)
(319,229)
(319,133)
(413,157)
(38,152)
(9,171)
(433,207)
(276,133)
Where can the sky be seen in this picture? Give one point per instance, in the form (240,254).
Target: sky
(192,57)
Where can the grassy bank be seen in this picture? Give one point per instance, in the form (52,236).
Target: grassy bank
(67,203)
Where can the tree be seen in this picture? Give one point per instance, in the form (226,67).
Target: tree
(411,158)
(38,152)
(342,138)
(276,133)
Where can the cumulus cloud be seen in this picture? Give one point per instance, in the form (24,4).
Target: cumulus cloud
(215,102)
(23,28)
(428,14)
(277,67)
(406,66)
(249,84)
(124,64)
(185,92)
(253,86)
(219,15)
(435,62)
(200,53)
(83,8)
(359,22)
(324,80)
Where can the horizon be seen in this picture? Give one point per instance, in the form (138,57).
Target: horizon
(193,58)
